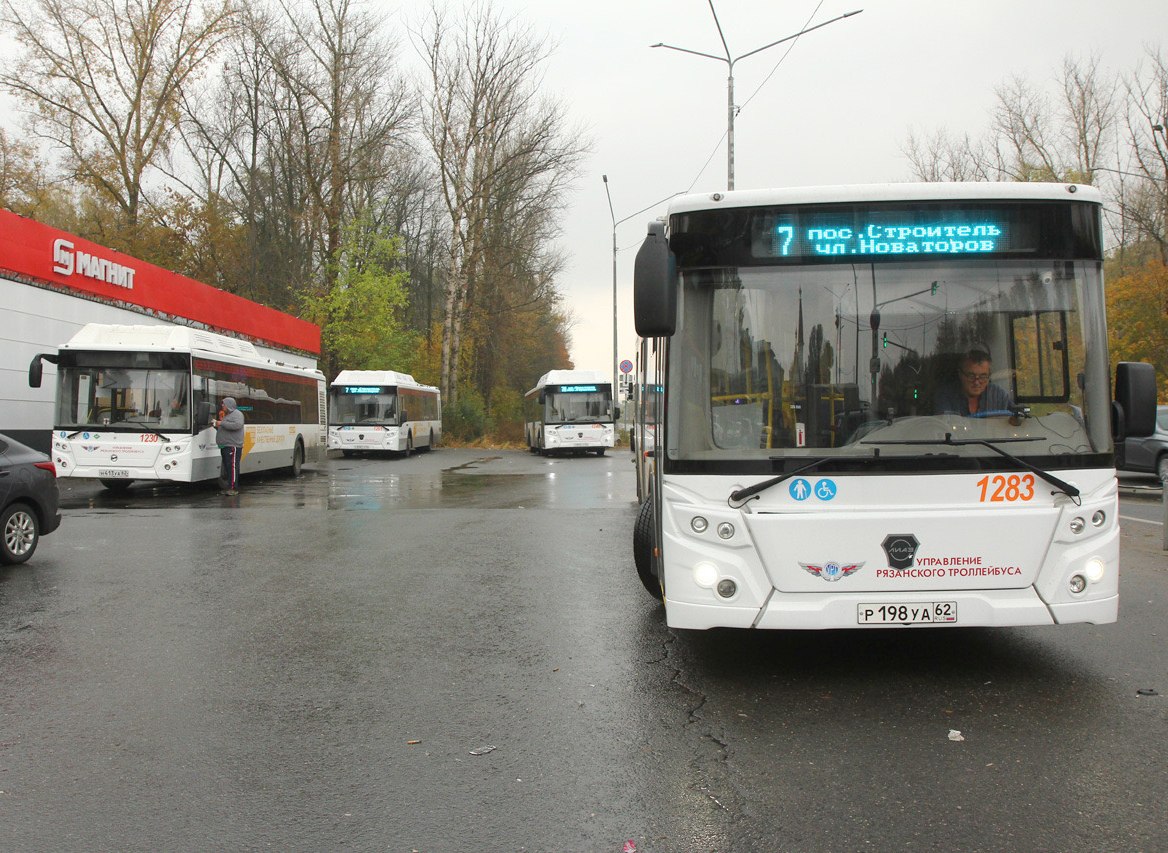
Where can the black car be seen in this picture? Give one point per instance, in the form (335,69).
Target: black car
(1149,454)
(28,500)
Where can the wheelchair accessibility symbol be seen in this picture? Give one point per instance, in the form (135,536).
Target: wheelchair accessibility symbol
(801,490)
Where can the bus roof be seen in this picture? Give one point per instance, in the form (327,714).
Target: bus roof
(570,377)
(863,193)
(128,338)
(380,377)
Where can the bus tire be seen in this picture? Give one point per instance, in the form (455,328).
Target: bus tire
(643,550)
(430,443)
(600,452)
(297,458)
(21,531)
(116,485)
(409,444)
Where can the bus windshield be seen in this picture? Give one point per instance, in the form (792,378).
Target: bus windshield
(370,406)
(575,407)
(123,391)
(885,359)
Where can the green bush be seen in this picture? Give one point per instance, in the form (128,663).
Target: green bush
(466,420)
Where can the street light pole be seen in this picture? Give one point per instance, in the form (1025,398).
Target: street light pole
(615,223)
(730,61)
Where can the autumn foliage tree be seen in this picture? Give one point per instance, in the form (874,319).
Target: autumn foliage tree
(1137,316)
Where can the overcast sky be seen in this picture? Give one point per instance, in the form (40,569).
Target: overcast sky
(838,108)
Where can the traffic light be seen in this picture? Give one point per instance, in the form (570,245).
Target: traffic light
(886,340)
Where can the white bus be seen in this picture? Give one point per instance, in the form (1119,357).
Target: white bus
(377,410)
(570,411)
(136,402)
(884,405)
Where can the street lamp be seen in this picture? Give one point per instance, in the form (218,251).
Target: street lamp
(615,223)
(730,81)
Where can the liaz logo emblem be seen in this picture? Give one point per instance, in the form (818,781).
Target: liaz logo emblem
(900,549)
(832,571)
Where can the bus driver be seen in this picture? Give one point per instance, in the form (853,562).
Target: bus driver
(973,394)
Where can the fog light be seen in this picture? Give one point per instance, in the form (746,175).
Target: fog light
(699,524)
(705,574)
(727,588)
(1098,518)
(1078,584)
(726,530)
(1077,525)
(1095,569)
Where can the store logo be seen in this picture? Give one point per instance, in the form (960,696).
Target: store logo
(67,261)
(900,549)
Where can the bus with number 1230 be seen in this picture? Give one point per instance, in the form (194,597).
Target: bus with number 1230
(135,402)
(885,405)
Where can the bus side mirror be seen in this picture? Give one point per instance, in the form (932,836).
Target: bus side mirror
(202,415)
(655,286)
(1134,411)
(36,368)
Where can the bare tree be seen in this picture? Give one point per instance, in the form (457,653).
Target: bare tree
(1143,200)
(1031,137)
(500,151)
(104,78)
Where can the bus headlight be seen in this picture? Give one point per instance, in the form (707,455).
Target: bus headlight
(699,524)
(705,575)
(1077,525)
(1095,569)
(1078,584)
(726,530)
(727,588)
(1098,518)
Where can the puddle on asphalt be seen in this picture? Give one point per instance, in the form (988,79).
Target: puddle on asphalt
(350,486)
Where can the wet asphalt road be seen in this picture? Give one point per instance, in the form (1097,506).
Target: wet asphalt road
(311,665)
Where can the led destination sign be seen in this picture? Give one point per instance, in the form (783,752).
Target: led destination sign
(834,233)
(361,389)
(790,237)
(578,389)
(868,233)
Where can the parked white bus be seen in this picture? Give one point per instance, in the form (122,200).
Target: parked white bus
(378,410)
(570,411)
(884,405)
(136,402)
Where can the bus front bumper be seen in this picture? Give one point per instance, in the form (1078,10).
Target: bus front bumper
(980,608)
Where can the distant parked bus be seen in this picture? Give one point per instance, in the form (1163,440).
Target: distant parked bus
(382,410)
(570,411)
(136,402)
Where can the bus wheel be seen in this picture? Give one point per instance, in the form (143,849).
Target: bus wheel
(116,485)
(409,443)
(21,532)
(430,445)
(297,459)
(1162,467)
(600,452)
(643,550)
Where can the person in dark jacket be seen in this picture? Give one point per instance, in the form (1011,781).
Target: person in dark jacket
(973,394)
(229,437)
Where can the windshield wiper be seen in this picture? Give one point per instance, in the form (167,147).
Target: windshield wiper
(949,441)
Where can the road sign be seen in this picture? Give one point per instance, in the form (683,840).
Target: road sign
(626,366)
